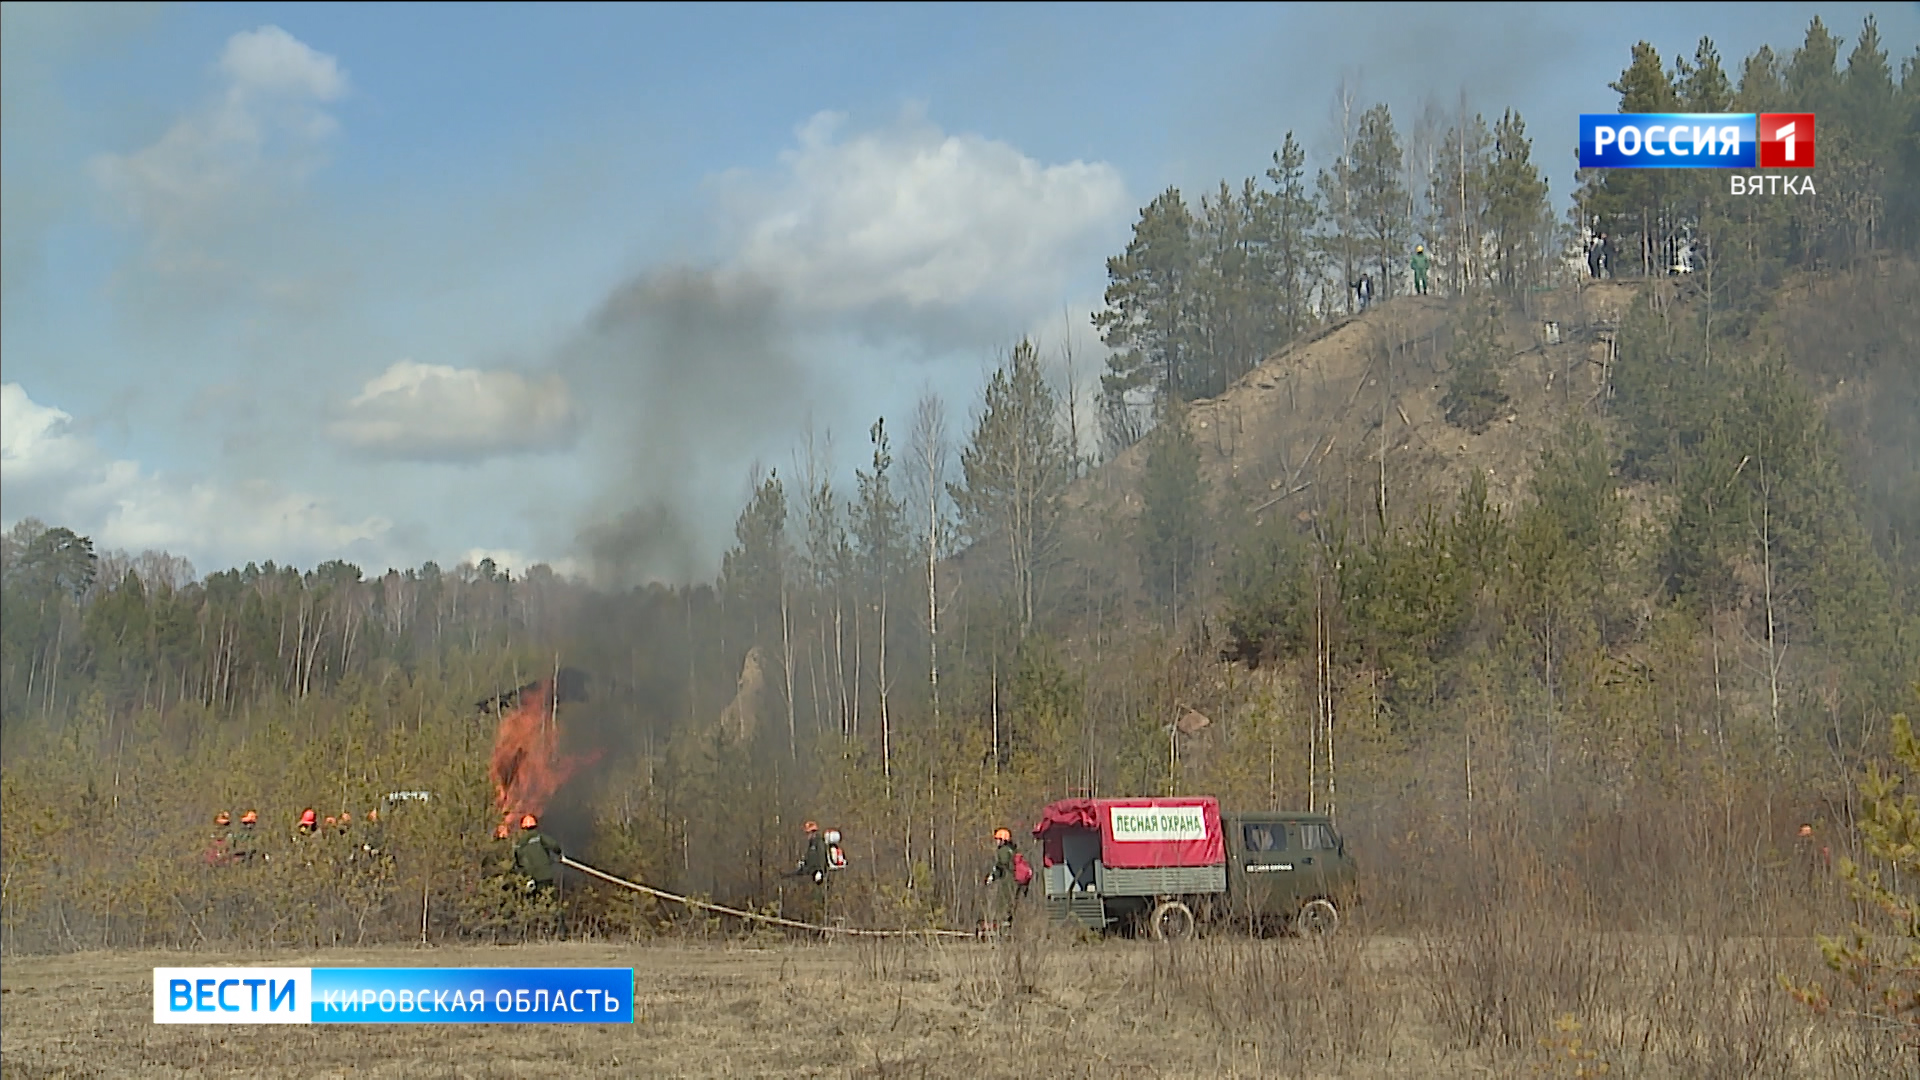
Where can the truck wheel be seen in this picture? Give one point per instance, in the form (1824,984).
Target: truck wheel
(1317,919)
(1171,921)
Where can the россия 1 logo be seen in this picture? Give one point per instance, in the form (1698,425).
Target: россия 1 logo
(1696,141)
(1786,141)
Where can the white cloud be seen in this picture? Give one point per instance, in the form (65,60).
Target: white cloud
(36,442)
(233,160)
(910,215)
(432,412)
(270,60)
(50,471)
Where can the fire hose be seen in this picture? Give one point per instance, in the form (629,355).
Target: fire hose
(772,920)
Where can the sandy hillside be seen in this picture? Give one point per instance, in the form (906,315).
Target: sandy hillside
(1316,416)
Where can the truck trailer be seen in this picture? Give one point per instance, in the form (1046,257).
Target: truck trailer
(1166,866)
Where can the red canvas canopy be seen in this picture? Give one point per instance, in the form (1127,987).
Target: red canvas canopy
(1139,833)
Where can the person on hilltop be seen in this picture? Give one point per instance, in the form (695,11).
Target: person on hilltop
(1420,264)
(1600,256)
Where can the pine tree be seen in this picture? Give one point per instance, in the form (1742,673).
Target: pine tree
(1762,87)
(1904,180)
(1231,304)
(1380,202)
(1881,971)
(1702,85)
(1636,202)
(1147,321)
(1268,591)
(1015,469)
(1173,516)
(1289,217)
(1866,148)
(1474,396)
(1518,221)
(1813,77)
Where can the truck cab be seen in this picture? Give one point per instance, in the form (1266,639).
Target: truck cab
(1287,869)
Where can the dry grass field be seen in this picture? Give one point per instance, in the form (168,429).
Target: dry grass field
(1499,1000)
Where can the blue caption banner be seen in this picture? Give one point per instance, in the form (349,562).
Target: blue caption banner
(393,995)
(472,995)
(1669,140)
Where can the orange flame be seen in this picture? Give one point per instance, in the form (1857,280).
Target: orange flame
(527,764)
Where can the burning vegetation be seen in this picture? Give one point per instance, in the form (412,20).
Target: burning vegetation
(528,765)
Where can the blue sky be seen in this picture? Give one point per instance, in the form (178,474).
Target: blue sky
(398,282)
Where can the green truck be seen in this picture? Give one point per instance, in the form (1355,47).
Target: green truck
(1168,866)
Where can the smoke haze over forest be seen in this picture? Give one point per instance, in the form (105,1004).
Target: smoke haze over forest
(272,293)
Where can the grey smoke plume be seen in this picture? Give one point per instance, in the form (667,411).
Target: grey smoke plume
(691,378)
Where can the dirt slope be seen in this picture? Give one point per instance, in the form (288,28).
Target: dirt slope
(1310,426)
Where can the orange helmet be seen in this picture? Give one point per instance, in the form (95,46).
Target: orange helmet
(811,826)
(332,821)
(500,833)
(222,818)
(1003,834)
(306,816)
(527,821)
(249,817)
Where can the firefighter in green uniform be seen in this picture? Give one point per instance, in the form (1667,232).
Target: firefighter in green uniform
(1002,874)
(535,856)
(1420,263)
(245,843)
(813,867)
(537,859)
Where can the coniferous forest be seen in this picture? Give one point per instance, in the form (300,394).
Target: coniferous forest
(1595,588)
